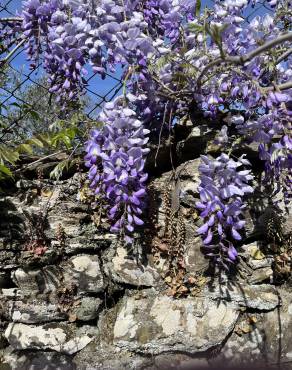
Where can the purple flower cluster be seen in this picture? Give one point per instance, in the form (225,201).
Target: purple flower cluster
(273,133)
(164,46)
(10,32)
(36,18)
(164,18)
(65,58)
(116,158)
(222,189)
(55,29)
(72,33)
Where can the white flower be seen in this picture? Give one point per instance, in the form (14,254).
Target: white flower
(267,21)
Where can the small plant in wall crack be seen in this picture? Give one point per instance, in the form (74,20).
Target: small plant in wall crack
(36,240)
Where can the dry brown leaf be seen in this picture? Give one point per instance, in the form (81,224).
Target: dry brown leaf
(182,289)
(246,329)
(253,319)
(72,317)
(168,279)
(192,280)
(256,254)
(46,193)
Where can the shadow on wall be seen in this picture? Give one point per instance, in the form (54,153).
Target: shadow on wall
(12,224)
(226,366)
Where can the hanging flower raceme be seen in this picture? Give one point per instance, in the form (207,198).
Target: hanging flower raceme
(116,158)
(221,190)
(272,131)
(36,19)
(183,61)
(65,57)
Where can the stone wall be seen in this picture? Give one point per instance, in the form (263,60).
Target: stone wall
(73,297)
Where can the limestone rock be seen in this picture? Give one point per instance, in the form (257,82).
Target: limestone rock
(28,259)
(87,309)
(268,342)
(84,271)
(195,260)
(54,336)
(261,297)
(155,324)
(9,259)
(195,142)
(259,264)
(189,181)
(87,243)
(180,362)
(260,275)
(35,310)
(70,223)
(244,349)
(277,329)
(130,269)
(96,357)
(11,293)
(37,360)
(35,281)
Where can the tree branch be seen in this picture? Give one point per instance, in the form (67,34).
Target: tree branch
(7,20)
(284,56)
(39,160)
(242,59)
(12,52)
(284,86)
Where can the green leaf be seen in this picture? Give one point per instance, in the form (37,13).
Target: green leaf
(57,172)
(67,141)
(25,148)
(46,139)
(8,155)
(160,63)
(15,104)
(34,114)
(5,171)
(194,27)
(198,8)
(35,141)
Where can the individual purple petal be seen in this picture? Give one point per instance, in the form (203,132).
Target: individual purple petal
(211,220)
(130,228)
(232,253)
(128,239)
(209,237)
(220,229)
(203,229)
(200,205)
(235,234)
(137,220)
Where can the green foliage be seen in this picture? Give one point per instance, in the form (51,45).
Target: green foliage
(64,165)
(160,63)
(215,32)
(198,8)
(33,125)
(7,157)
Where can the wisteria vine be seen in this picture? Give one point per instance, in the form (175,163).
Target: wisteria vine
(175,55)
(116,158)
(222,190)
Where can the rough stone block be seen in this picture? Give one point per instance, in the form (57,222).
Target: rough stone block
(84,271)
(57,337)
(156,324)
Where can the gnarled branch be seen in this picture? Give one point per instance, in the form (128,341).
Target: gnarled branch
(242,59)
